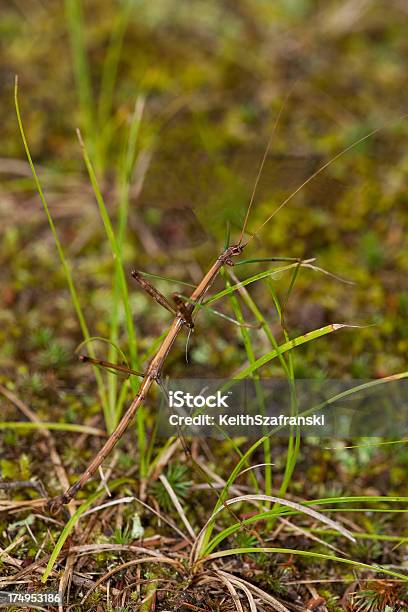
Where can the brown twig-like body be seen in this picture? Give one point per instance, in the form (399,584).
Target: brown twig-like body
(151,375)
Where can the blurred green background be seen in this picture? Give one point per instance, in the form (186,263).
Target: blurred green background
(204,83)
(210,78)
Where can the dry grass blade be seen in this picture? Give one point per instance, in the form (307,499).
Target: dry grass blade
(6,558)
(66,578)
(16,506)
(36,567)
(249,596)
(5,551)
(241,583)
(235,597)
(177,505)
(164,519)
(330,274)
(130,499)
(54,455)
(119,568)
(113,502)
(90,549)
(253,467)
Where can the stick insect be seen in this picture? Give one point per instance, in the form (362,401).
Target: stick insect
(184,313)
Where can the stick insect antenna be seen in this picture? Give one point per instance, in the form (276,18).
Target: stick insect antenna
(262,164)
(321,169)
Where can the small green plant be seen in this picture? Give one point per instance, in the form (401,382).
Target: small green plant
(56,354)
(122,536)
(244,539)
(332,602)
(41,338)
(176,475)
(380,596)
(33,383)
(369,550)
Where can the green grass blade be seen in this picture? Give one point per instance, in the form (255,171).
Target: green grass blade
(376,537)
(126,167)
(75,23)
(289,290)
(125,180)
(244,262)
(73,521)
(374,444)
(288,346)
(217,313)
(117,256)
(248,281)
(93,431)
(109,73)
(282,511)
(244,459)
(359,498)
(264,326)
(246,338)
(294,438)
(355,510)
(305,553)
(116,253)
(63,259)
(111,344)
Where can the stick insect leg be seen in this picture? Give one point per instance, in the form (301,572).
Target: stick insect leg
(111,367)
(181,307)
(153,292)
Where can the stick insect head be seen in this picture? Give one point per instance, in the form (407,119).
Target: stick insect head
(233,251)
